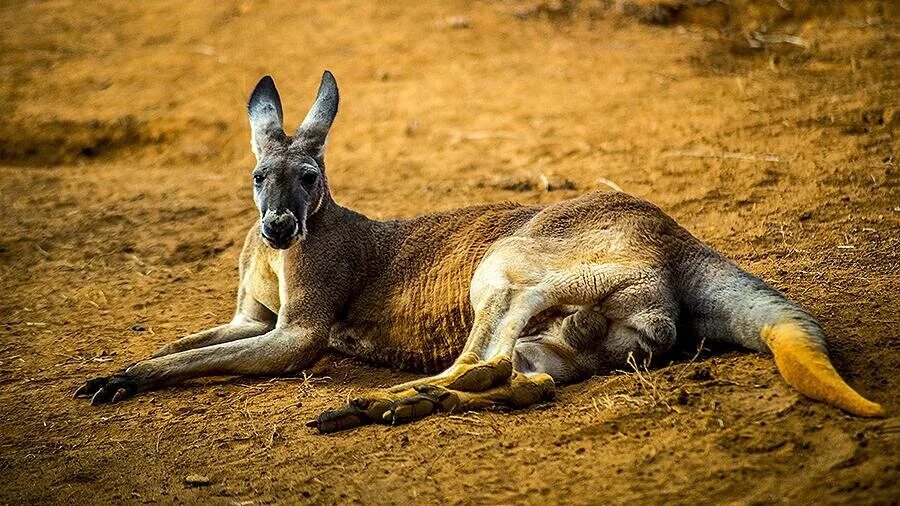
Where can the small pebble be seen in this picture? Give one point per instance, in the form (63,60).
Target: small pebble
(459,22)
(196,480)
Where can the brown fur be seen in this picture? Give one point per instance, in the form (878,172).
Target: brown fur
(510,297)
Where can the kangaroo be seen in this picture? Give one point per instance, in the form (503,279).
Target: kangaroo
(547,295)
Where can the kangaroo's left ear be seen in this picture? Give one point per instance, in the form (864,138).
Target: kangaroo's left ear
(313,132)
(266,119)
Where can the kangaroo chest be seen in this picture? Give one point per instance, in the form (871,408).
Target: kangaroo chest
(262,280)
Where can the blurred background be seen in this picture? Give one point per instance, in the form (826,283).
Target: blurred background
(766,127)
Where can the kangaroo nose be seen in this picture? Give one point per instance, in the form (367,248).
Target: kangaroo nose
(282,222)
(279,228)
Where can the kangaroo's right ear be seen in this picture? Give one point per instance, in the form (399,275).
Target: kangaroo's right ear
(266,119)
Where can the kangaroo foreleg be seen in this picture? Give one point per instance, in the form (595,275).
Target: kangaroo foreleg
(281,350)
(251,319)
(239,328)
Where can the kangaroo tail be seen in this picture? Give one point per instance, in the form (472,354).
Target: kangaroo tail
(725,303)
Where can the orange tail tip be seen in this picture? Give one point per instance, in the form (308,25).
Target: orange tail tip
(805,366)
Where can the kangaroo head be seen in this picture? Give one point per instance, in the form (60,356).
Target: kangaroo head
(289,182)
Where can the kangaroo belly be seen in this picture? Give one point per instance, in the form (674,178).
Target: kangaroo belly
(413,311)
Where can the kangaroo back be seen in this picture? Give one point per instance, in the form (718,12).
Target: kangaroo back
(725,303)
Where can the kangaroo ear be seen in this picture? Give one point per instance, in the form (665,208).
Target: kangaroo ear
(313,132)
(264,109)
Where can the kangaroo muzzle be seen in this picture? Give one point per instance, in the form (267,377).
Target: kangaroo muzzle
(279,229)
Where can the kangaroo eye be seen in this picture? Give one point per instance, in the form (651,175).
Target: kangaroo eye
(258,179)
(309,178)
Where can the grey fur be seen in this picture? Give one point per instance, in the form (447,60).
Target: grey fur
(266,117)
(313,131)
(512,298)
(726,304)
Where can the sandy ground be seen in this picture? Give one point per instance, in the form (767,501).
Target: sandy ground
(125,194)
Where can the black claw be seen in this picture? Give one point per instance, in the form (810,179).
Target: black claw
(97,398)
(107,389)
(90,387)
(121,394)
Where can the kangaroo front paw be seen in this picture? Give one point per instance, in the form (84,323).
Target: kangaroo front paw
(107,389)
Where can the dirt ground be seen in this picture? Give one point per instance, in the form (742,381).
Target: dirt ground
(769,129)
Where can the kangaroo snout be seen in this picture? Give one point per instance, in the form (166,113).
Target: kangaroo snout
(279,228)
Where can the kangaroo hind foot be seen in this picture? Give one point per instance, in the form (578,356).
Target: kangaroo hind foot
(463,387)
